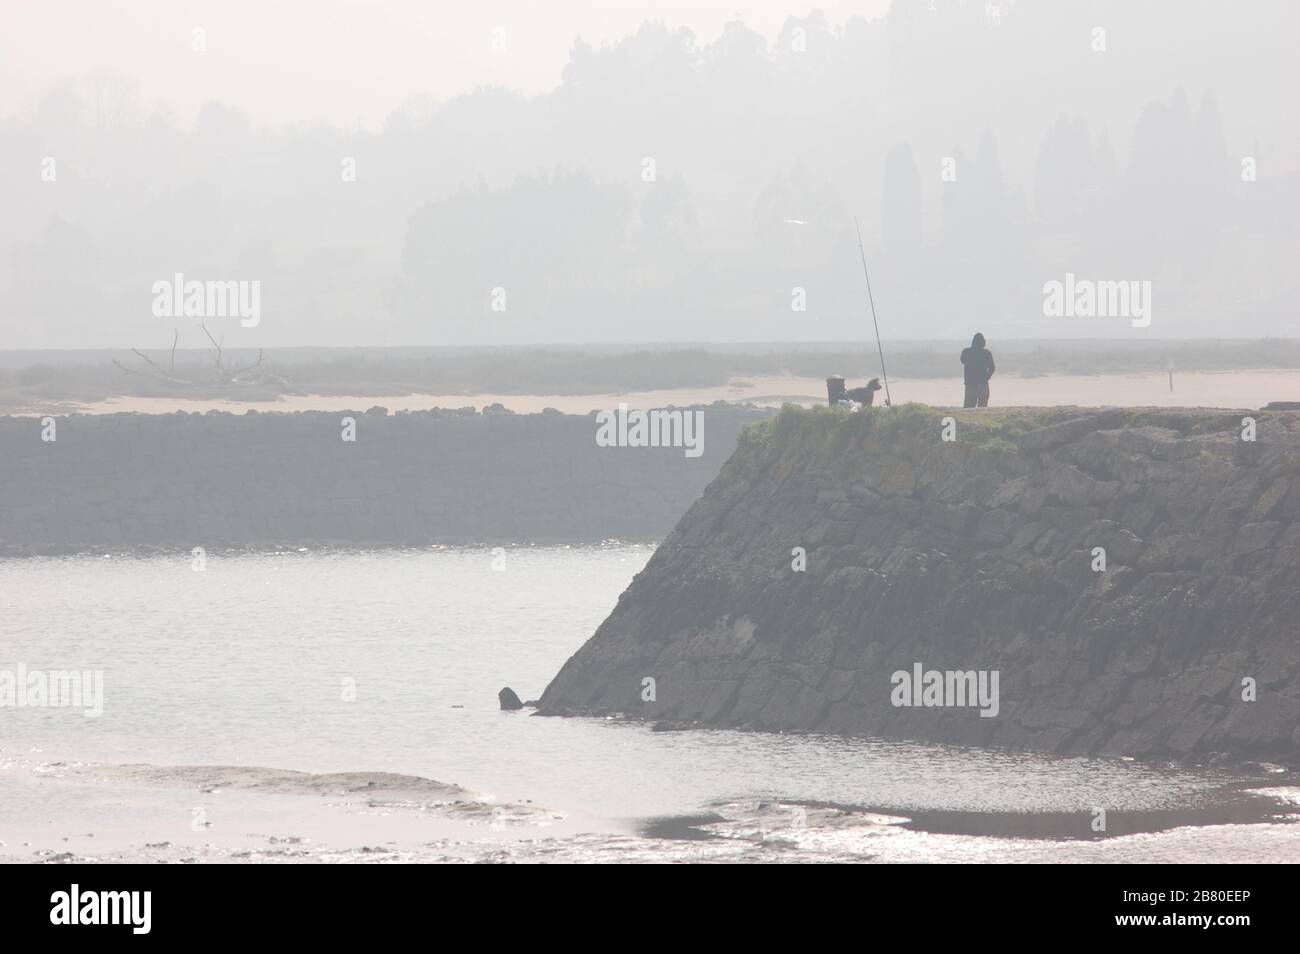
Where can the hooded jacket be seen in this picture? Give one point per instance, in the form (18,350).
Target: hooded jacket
(977,363)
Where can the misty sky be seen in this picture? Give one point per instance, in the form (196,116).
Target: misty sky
(377,173)
(346,62)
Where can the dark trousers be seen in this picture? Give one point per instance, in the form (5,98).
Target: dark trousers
(977,395)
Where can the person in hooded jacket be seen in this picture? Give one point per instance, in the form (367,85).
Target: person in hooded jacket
(977,366)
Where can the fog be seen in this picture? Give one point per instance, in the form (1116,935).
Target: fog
(393,174)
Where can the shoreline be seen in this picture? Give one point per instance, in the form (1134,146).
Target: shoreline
(225,814)
(1222,389)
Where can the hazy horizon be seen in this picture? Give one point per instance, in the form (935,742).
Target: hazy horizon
(399,175)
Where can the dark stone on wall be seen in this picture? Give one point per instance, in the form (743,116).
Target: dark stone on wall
(447,476)
(978,555)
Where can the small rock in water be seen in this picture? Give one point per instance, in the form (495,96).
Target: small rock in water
(509,701)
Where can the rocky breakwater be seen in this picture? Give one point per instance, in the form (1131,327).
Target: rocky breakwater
(357,478)
(1100,582)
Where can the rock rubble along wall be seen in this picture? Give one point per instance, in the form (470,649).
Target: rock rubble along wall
(1131,576)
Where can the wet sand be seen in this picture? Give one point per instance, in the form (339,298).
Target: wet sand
(1226,389)
(86,813)
(73,811)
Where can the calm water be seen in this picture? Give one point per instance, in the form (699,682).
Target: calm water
(246,663)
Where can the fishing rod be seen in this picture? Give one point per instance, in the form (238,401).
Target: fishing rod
(874,322)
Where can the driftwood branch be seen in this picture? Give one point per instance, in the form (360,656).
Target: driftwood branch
(214,344)
(225,375)
(150,361)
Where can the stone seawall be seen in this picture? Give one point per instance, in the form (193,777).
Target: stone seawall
(1131,576)
(449,476)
